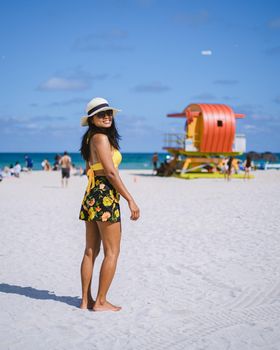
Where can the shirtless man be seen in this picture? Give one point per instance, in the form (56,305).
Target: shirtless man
(65,163)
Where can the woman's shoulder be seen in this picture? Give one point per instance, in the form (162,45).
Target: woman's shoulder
(99,137)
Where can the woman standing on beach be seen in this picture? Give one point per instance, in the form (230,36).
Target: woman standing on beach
(100,207)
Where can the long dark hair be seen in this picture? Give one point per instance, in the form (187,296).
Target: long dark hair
(112,134)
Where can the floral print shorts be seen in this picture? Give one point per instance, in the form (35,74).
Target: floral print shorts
(101,203)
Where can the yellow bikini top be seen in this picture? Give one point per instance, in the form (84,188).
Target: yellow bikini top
(117,158)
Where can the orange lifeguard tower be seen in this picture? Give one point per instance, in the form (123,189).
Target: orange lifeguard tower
(210,135)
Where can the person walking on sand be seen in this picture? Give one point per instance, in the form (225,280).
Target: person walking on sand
(247,167)
(100,206)
(155,162)
(29,162)
(229,168)
(65,163)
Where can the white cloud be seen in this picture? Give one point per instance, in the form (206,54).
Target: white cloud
(250,127)
(58,83)
(136,126)
(71,101)
(206,52)
(30,125)
(114,40)
(259,129)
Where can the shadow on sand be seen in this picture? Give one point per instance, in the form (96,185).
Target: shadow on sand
(39,294)
(142,174)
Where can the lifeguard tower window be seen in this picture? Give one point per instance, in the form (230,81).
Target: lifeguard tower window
(219,123)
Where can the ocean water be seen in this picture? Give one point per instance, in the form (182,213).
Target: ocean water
(129,161)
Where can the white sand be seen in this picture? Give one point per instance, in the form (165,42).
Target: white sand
(200,270)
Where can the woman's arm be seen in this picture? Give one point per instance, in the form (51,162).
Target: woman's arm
(101,144)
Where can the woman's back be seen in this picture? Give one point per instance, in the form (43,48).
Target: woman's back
(96,165)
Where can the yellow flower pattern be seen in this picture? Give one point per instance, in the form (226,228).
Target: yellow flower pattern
(91,213)
(107,201)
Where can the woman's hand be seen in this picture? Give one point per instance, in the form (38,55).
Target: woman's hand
(135,212)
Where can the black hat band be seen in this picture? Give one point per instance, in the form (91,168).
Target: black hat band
(97,107)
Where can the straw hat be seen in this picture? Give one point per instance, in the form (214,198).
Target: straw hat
(96,105)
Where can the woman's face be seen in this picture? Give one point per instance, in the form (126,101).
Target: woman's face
(103,119)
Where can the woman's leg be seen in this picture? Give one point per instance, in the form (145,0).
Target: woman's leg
(111,237)
(91,252)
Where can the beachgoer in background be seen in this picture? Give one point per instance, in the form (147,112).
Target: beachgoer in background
(235,165)
(29,162)
(239,165)
(168,167)
(75,170)
(11,169)
(17,169)
(247,167)
(46,165)
(100,207)
(155,161)
(229,168)
(161,169)
(56,161)
(6,171)
(224,167)
(65,163)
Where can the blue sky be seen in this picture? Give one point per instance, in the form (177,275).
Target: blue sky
(147,57)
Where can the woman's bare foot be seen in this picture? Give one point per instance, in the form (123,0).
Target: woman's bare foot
(83,305)
(106,306)
(87,304)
